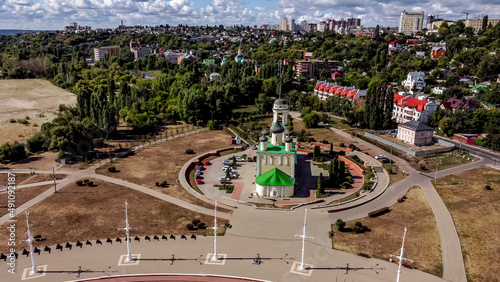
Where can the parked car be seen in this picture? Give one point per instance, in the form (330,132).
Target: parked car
(197,173)
(254,147)
(224,179)
(199,181)
(380,157)
(227,162)
(207,163)
(249,159)
(254,158)
(240,159)
(233,174)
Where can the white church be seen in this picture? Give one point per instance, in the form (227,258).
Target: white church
(276,160)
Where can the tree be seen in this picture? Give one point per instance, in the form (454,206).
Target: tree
(311,120)
(264,103)
(485,23)
(340,224)
(321,184)
(12,152)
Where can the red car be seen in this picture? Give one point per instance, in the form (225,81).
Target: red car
(207,163)
(199,181)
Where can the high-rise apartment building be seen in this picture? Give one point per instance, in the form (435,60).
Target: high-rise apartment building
(293,26)
(284,24)
(410,22)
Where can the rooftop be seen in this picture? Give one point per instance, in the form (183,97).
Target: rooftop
(277,149)
(275,177)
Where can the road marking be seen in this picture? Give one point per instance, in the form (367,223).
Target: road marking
(221,261)
(123,260)
(27,274)
(296,269)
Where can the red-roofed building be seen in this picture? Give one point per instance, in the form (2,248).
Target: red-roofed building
(465,105)
(407,108)
(324,90)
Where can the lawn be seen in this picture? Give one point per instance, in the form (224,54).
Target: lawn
(395,173)
(475,213)
(422,239)
(162,162)
(446,160)
(319,134)
(86,213)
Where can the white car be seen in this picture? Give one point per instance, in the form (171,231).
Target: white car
(224,168)
(239,159)
(379,157)
(224,179)
(227,162)
(233,174)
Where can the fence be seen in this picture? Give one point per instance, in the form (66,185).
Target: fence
(449,146)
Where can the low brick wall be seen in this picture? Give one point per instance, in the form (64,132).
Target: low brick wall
(352,164)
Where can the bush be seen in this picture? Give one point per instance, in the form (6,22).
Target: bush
(340,224)
(363,255)
(379,212)
(22,121)
(189,226)
(112,169)
(201,225)
(157,184)
(488,187)
(356,229)
(195,221)
(12,120)
(90,183)
(357,223)
(163,183)
(80,183)
(86,181)
(342,145)
(189,151)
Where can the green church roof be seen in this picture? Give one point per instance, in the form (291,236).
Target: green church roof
(277,149)
(275,177)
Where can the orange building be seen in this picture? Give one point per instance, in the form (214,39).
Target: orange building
(437,52)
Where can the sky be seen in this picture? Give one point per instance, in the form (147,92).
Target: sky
(56,14)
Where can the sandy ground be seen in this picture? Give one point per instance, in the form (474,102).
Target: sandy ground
(36,98)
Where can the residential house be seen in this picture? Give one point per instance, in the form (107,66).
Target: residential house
(414,80)
(394,48)
(464,105)
(438,52)
(408,108)
(415,133)
(439,90)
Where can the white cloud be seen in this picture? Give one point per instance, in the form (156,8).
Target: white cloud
(55,14)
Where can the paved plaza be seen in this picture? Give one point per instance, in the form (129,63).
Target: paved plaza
(269,235)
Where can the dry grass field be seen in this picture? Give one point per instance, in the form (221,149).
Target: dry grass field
(22,196)
(81,213)
(164,161)
(36,98)
(475,213)
(422,239)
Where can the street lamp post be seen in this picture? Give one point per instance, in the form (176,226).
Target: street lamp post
(30,240)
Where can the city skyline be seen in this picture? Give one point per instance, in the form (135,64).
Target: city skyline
(55,14)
